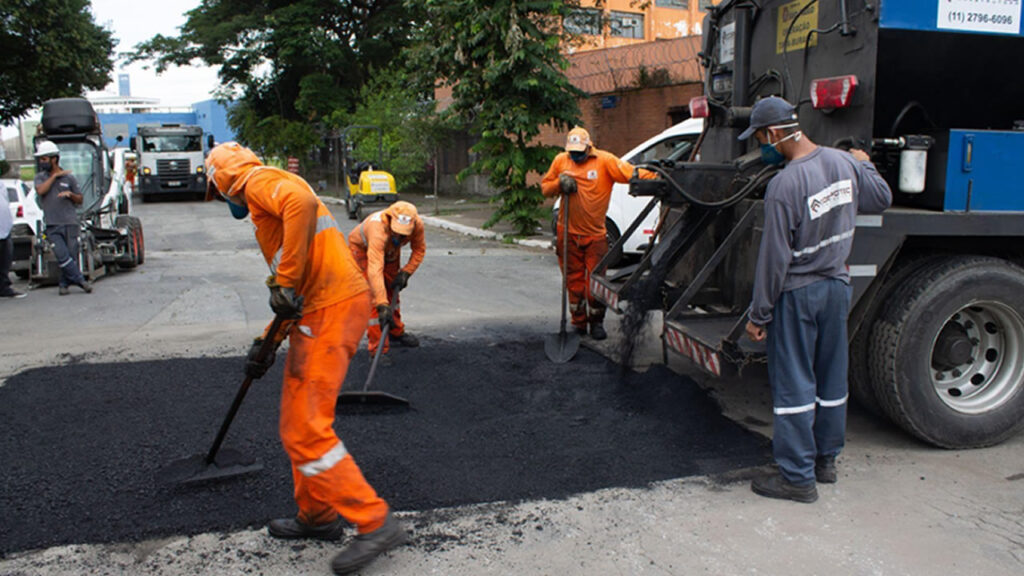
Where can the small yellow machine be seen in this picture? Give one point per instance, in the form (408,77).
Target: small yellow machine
(369,187)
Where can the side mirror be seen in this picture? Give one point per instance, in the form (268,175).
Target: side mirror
(131,142)
(209,142)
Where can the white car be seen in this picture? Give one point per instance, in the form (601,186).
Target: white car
(28,217)
(674,143)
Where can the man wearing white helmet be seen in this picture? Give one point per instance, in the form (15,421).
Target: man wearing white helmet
(59,195)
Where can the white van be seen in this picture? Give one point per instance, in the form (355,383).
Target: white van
(674,143)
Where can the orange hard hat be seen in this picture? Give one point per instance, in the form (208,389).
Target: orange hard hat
(403,217)
(578,140)
(226,166)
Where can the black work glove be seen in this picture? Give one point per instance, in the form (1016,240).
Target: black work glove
(285,303)
(567,183)
(254,368)
(400,282)
(384,315)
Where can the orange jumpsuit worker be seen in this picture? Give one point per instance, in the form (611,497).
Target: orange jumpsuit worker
(315,283)
(594,173)
(377,247)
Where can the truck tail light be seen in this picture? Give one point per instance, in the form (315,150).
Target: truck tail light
(21,212)
(832,93)
(699,107)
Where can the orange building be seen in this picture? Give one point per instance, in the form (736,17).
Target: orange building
(610,23)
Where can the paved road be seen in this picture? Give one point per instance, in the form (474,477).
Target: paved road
(899,507)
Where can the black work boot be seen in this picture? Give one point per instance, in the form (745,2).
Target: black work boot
(581,330)
(293,528)
(84,285)
(825,469)
(364,548)
(406,339)
(597,330)
(776,486)
(63,291)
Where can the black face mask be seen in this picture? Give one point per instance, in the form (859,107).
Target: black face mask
(579,157)
(44,165)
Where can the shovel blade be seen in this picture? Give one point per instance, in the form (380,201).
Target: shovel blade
(229,463)
(561,347)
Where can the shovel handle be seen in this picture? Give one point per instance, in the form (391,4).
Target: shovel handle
(565,258)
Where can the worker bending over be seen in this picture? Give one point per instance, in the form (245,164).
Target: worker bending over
(585,175)
(317,285)
(377,247)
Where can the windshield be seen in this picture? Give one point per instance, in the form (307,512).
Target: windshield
(173,143)
(675,148)
(80,159)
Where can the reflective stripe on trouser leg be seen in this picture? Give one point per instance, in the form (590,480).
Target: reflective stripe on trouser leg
(831,365)
(790,348)
(327,479)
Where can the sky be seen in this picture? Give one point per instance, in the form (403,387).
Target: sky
(132,22)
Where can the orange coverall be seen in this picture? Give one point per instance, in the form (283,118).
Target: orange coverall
(378,252)
(306,251)
(588,240)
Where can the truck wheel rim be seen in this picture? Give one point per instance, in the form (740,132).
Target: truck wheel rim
(993,370)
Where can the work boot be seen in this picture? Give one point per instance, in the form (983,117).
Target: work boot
(293,528)
(581,330)
(63,291)
(85,286)
(825,469)
(406,339)
(365,547)
(776,486)
(597,330)
(11,293)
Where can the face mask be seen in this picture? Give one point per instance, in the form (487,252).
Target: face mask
(396,240)
(579,157)
(770,153)
(237,211)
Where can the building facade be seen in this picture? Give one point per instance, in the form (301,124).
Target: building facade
(611,23)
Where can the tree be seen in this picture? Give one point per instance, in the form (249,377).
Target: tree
(51,49)
(504,63)
(290,64)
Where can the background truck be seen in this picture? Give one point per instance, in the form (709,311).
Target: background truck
(110,235)
(170,160)
(937,322)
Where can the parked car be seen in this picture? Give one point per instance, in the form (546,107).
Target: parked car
(673,143)
(28,217)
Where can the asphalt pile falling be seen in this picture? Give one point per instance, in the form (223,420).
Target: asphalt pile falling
(83,446)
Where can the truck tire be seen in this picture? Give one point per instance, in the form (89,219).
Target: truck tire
(861,389)
(613,235)
(946,354)
(130,258)
(140,251)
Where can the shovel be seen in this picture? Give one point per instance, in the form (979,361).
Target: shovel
(561,347)
(367,396)
(218,464)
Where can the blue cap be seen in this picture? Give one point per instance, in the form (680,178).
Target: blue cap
(770,111)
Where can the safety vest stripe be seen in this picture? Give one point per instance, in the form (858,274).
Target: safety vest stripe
(325,222)
(362,234)
(832,403)
(326,462)
(823,244)
(276,261)
(794,409)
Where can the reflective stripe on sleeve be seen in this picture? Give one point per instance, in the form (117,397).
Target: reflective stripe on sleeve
(832,403)
(326,462)
(276,261)
(325,222)
(793,409)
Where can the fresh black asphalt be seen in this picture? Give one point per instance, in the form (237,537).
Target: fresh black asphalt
(82,446)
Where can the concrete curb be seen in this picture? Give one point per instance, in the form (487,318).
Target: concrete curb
(465,230)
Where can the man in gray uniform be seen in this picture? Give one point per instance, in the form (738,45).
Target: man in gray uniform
(58,194)
(802,293)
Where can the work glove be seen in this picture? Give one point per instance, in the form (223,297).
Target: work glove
(384,315)
(567,182)
(284,302)
(400,282)
(254,368)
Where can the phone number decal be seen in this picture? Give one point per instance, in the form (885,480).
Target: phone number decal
(999,16)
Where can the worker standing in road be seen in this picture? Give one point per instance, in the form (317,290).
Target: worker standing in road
(316,283)
(376,244)
(59,194)
(802,293)
(586,176)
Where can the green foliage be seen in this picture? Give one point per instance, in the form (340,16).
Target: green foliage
(51,49)
(503,61)
(288,63)
(652,77)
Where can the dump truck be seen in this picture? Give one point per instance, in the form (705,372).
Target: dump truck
(110,236)
(170,160)
(936,326)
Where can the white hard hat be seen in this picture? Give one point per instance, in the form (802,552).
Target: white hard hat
(46,148)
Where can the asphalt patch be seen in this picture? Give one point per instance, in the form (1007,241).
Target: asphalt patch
(83,446)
